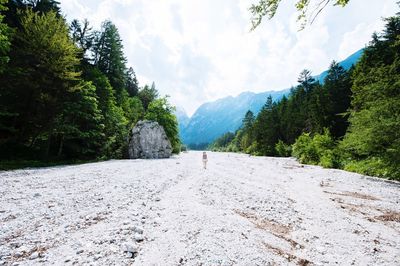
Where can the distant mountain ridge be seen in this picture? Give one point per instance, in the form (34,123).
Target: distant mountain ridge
(213,119)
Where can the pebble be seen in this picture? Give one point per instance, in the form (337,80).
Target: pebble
(129,247)
(129,254)
(138,237)
(114,248)
(80,251)
(138,230)
(34,255)
(18,254)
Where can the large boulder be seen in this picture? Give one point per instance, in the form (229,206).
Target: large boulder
(149,141)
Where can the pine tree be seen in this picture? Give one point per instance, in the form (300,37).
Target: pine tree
(338,85)
(82,35)
(147,95)
(373,138)
(267,128)
(109,57)
(35,86)
(132,84)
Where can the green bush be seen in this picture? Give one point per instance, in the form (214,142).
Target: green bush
(304,149)
(282,149)
(252,149)
(373,167)
(318,150)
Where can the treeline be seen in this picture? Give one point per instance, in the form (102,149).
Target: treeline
(351,121)
(66,91)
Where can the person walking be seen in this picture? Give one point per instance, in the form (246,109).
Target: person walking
(205,160)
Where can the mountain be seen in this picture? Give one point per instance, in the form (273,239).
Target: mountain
(183,119)
(213,119)
(346,64)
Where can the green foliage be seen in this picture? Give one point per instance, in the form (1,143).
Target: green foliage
(266,128)
(4,37)
(109,57)
(373,138)
(147,95)
(78,129)
(41,74)
(317,150)
(67,93)
(304,149)
(268,8)
(162,112)
(253,149)
(222,143)
(282,149)
(184,148)
(372,166)
(115,123)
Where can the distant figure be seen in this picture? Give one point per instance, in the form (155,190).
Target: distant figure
(205,160)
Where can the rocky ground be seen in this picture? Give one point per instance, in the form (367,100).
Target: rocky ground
(240,211)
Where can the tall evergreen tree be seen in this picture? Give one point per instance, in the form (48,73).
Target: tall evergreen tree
(82,35)
(338,85)
(373,138)
(147,95)
(132,84)
(266,128)
(109,56)
(34,86)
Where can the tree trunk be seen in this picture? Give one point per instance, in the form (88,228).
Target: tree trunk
(60,148)
(47,152)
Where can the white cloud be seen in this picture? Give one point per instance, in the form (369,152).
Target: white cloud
(197,51)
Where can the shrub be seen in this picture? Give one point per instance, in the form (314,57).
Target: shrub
(374,167)
(282,149)
(304,149)
(318,150)
(252,149)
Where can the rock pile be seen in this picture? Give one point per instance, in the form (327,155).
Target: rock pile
(149,141)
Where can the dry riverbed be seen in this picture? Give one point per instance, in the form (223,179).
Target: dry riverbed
(240,211)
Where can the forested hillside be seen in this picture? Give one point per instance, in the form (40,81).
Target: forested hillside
(351,121)
(67,92)
(225,115)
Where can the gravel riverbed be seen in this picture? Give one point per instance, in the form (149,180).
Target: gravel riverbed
(242,210)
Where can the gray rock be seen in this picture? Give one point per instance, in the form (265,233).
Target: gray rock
(34,255)
(138,237)
(138,230)
(149,141)
(130,247)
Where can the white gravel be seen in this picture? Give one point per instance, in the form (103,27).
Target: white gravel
(242,210)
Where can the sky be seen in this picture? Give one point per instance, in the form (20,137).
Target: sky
(198,51)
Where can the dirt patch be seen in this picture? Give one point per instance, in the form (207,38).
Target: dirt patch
(353,194)
(290,257)
(265,224)
(389,217)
